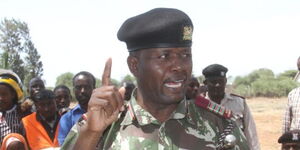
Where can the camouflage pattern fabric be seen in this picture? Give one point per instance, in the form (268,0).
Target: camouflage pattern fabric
(189,127)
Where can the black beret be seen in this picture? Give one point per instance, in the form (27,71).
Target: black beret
(292,136)
(214,70)
(157,28)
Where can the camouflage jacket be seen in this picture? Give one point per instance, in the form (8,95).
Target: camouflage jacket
(189,127)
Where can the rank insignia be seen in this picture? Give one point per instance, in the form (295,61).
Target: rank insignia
(187,33)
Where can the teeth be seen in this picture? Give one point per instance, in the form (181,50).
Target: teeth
(174,84)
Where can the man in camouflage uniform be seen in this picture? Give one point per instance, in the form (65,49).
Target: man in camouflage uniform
(157,116)
(215,80)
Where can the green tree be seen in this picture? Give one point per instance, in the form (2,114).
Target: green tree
(201,78)
(128,78)
(288,74)
(65,79)
(17,51)
(34,67)
(263,82)
(98,82)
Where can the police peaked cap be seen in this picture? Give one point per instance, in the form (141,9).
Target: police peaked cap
(157,28)
(214,70)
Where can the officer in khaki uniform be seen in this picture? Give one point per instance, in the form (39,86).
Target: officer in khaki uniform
(157,117)
(215,80)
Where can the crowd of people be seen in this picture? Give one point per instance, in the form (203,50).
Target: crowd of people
(167,108)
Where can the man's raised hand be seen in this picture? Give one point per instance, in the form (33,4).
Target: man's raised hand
(105,104)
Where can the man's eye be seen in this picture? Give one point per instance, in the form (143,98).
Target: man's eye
(186,55)
(163,56)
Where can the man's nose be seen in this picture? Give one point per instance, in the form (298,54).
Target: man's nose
(82,89)
(62,100)
(217,84)
(176,64)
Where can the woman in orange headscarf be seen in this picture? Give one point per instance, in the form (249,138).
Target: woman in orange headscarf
(14,141)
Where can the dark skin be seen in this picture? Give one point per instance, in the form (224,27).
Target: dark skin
(83,88)
(7,96)
(35,85)
(129,88)
(216,88)
(168,71)
(291,146)
(46,108)
(62,98)
(192,89)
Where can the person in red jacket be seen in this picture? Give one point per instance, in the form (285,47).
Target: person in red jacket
(41,127)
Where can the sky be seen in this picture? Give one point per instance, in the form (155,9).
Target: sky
(80,35)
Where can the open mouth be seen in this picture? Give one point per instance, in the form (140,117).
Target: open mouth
(174,84)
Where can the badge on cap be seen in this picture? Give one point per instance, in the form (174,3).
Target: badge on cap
(222,73)
(295,137)
(187,33)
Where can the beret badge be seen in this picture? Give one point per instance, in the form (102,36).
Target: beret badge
(187,32)
(295,137)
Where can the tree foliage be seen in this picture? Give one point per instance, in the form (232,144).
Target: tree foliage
(65,79)
(128,78)
(263,82)
(17,51)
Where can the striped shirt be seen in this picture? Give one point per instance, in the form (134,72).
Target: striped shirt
(292,113)
(9,123)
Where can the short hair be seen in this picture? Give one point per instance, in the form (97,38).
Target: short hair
(35,79)
(85,73)
(62,87)
(43,95)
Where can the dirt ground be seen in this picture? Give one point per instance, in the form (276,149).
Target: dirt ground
(268,114)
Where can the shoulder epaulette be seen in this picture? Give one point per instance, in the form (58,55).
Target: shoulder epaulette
(213,107)
(237,95)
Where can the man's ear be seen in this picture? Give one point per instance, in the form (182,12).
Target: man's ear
(132,63)
(205,82)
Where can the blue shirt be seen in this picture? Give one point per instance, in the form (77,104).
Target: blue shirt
(67,121)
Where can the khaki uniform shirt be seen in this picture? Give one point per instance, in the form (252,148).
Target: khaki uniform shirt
(245,121)
(189,127)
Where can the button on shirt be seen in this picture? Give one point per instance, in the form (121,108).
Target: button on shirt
(67,121)
(292,113)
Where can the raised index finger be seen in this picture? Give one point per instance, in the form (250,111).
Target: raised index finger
(107,72)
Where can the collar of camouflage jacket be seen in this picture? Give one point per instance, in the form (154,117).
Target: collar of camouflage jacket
(143,117)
